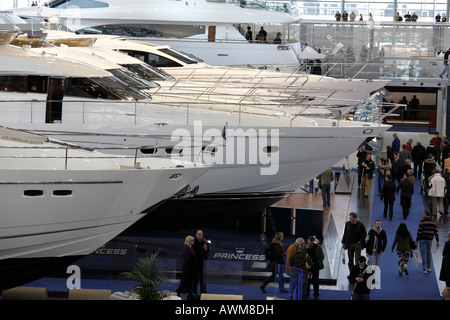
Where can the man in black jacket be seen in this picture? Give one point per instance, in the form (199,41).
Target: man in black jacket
(368,167)
(359,277)
(418,157)
(354,239)
(407,190)
(201,249)
(361,155)
(315,251)
(388,194)
(376,243)
(396,168)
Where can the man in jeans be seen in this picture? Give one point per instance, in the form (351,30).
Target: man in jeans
(425,233)
(325,179)
(354,239)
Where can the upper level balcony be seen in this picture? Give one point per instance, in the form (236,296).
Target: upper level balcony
(371,49)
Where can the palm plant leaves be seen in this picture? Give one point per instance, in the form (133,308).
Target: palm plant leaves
(148,273)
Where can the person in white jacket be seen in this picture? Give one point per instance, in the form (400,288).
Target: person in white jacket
(436,191)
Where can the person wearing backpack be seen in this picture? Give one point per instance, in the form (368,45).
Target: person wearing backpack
(418,157)
(276,262)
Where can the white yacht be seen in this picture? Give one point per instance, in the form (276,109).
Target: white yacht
(258,157)
(157,84)
(212,31)
(61,202)
(286,92)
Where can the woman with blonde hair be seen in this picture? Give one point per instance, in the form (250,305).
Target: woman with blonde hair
(276,262)
(189,268)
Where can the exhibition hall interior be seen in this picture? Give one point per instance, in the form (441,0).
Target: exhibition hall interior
(228,150)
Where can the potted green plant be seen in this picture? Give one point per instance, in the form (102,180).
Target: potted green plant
(148,273)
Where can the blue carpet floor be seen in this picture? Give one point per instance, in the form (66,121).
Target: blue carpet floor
(416,286)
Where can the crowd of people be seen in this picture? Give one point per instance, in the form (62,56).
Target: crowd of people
(261,36)
(344,16)
(397,171)
(408,17)
(356,238)
(302,262)
(399,168)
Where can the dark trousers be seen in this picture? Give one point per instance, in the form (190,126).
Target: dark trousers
(380,182)
(360,170)
(389,204)
(417,171)
(314,280)
(405,201)
(199,280)
(354,252)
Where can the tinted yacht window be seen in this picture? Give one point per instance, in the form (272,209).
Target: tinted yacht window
(61,4)
(23,84)
(152,59)
(186,58)
(147,72)
(101,88)
(13,83)
(132,79)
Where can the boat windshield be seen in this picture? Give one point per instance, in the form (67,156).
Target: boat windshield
(152,59)
(182,56)
(132,79)
(147,72)
(107,88)
(64,4)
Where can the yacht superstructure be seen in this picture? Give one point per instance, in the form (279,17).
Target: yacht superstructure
(285,91)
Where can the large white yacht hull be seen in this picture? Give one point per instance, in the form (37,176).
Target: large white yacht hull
(101,205)
(304,152)
(230,191)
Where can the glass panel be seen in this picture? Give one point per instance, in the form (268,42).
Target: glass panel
(13,83)
(147,72)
